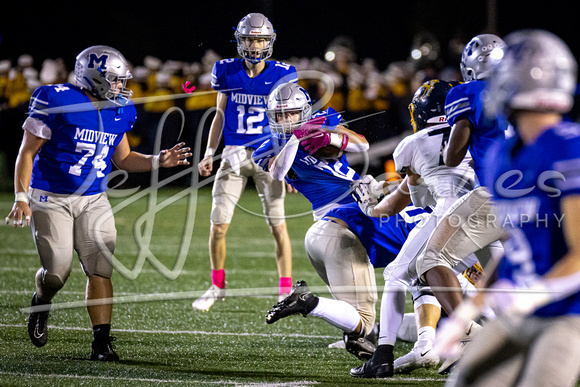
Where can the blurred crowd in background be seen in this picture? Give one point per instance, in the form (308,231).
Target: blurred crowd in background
(373,100)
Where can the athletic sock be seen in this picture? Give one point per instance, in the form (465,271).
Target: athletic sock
(425,335)
(384,354)
(337,313)
(285,285)
(102,332)
(218,278)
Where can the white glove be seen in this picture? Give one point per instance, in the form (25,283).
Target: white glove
(375,187)
(362,194)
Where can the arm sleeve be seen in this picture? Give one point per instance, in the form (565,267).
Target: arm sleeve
(285,159)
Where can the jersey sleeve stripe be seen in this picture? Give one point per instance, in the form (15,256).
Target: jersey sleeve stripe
(35,100)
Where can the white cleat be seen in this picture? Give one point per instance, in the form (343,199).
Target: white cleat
(339,344)
(419,357)
(282,296)
(212,295)
(451,362)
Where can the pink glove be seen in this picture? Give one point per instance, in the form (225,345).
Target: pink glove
(320,138)
(317,139)
(308,127)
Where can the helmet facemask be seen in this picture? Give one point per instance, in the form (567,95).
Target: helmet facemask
(255,26)
(289,107)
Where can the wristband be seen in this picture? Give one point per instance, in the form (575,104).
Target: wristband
(21,197)
(336,140)
(344,142)
(209,152)
(155,162)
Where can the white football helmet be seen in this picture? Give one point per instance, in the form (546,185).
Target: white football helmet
(538,72)
(255,25)
(479,56)
(104,72)
(288,98)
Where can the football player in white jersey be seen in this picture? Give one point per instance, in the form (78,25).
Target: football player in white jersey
(428,182)
(243,85)
(71,136)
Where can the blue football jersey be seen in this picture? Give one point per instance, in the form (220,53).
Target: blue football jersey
(326,185)
(323,182)
(245,121)
(530,182)
(77,157)
(465,101)
(382,238)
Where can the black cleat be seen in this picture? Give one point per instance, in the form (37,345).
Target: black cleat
(103,351)
(299,301)
(359,346)
(37,323)
(372,370)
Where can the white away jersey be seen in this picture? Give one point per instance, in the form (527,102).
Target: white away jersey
(421,152)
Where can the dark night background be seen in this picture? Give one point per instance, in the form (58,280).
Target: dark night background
(183,30)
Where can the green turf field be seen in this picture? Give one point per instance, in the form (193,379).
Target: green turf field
(161,340)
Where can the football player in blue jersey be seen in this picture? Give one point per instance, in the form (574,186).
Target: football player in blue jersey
(71,136)
(243,85)
(344,244)
(535,180)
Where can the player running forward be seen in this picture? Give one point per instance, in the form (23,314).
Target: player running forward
(343,244)
(243,85)
(71,136)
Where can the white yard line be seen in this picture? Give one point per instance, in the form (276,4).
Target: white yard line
(297,335)
(220,382)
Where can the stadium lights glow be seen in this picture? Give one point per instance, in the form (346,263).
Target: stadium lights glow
(329,56)
(416,54)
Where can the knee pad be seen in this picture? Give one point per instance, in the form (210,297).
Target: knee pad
(47,284)
(50,281)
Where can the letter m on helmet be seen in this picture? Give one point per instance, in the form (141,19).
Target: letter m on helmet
(101,61)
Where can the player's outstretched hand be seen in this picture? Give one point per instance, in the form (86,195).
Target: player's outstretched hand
(20,214)
(175,156)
